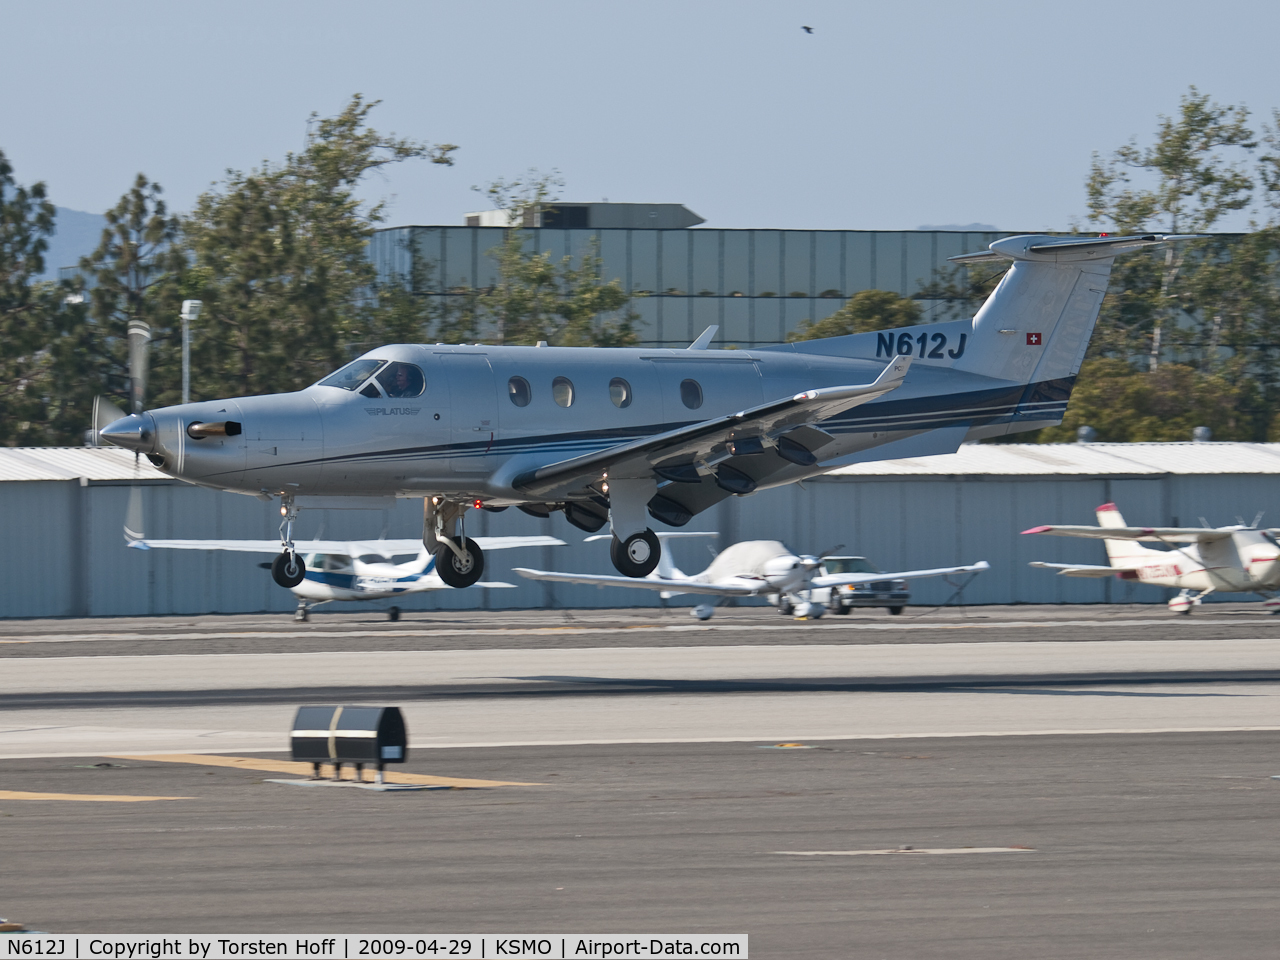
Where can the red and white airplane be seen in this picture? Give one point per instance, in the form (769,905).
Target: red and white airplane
(1235,559)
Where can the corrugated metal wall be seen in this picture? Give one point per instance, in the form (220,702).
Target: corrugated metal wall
(65,553)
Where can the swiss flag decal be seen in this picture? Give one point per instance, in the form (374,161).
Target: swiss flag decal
(1033,340)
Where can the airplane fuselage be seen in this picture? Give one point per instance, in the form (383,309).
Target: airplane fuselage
(1247,561)
(489,413)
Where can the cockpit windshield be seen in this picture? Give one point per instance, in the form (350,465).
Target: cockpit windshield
(352,375)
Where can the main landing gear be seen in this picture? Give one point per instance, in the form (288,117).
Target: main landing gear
(638,555)
(1184,601)
(635,549)
(287,569)
(459,559)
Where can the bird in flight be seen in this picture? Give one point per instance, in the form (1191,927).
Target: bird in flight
(807,29)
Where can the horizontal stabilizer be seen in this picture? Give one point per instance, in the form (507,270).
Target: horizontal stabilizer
(1065,249)
(1146,534)
(1078,569)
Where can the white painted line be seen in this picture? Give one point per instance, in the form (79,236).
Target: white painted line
(910,851)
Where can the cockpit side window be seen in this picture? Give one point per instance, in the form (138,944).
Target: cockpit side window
(352,375)
(401,380)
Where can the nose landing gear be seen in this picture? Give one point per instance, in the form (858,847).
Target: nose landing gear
(288,570)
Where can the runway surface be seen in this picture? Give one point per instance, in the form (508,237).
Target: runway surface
(1130,752)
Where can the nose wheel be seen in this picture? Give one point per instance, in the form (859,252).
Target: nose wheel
(638,555)
(288,570)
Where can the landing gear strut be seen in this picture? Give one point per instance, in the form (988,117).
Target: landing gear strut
(459,560)
(288,570)
(635,549)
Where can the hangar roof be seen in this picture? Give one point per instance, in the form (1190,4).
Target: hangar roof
(71,463)
(975,459)
(1080,459)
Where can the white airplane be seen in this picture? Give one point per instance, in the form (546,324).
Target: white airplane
(612,435)
(752,568)
(1235,559)
(356,570)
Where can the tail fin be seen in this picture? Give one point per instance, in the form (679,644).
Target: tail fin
(1121,553)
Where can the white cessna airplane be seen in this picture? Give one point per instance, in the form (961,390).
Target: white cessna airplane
(355,570)
(612,435)
(752,568)
(1235,559)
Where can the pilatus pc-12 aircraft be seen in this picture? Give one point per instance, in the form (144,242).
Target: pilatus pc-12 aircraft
(617,436)
(1236,559)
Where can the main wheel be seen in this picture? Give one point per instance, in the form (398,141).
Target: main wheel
(288,570)
(393,614)
(638,555)
(896,611)
(785,606)
(836,605)
(456,572)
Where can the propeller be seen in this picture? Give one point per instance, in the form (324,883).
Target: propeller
(105,410)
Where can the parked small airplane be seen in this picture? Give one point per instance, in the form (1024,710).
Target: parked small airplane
(356,570)
(1234,559)
(619,435)
(752,568)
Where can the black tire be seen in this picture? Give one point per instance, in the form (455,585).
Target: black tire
(288,570)
(638,555)
(837,607)
(393,614)
(785,606)
(896,611)
(455,572)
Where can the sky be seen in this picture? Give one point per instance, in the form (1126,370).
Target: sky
(888,116)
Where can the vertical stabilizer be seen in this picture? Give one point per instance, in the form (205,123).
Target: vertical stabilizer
(1121,553)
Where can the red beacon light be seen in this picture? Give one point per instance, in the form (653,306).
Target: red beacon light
(478,504)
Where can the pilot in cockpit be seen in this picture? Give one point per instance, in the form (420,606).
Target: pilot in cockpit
(401,380)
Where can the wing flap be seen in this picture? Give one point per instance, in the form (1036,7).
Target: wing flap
(638,457)
(352,548)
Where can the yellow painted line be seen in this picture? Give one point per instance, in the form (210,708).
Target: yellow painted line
(910,851)
(306,769)
(105,797)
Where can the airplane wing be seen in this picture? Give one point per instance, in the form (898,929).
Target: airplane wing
(844,579)
(645,583)
(354,548)
(1079,569)
(1148,534)
(696,441)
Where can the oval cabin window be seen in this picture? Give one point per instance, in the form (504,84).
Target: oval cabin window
(620,392)
(562,391)
(691,394)
(519,392)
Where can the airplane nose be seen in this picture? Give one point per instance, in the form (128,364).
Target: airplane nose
(134,432)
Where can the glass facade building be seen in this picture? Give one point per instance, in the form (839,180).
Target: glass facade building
(756,285)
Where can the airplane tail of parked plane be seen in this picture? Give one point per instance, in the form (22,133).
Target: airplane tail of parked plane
(1123,554)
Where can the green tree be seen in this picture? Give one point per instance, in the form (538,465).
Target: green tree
(131,276)
(867,310)
(28,310)
(279,257)
(1192,176)
(1125,405)
(566,302)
